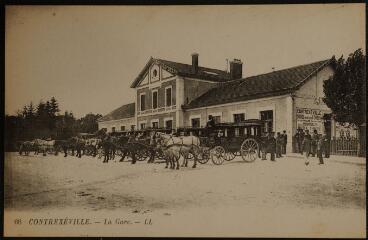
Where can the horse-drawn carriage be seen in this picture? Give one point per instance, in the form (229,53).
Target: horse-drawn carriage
(137,143)
(225,141)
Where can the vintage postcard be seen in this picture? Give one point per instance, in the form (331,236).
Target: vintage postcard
(185,121)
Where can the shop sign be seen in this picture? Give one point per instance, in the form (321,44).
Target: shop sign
(311,119)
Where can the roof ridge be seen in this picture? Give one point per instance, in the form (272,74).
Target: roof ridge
(274,82)
(189,65)
(280,70)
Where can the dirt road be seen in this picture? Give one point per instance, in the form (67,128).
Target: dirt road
(283,198)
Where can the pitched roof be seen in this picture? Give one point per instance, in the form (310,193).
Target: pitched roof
(125,111)
(269,84)
(185,70)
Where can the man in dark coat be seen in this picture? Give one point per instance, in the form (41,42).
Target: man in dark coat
(211,122)
(314,143)
(279,143)
(284,135)
(300,140)
(209,126)
(296,139)
(307,146)
(320,146)
(326,146)
(271,143)
(263,146)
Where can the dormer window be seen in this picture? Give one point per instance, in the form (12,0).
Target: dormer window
(154,73)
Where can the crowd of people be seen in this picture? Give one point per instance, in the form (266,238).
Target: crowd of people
(309,145)
(312,145)
(275,146)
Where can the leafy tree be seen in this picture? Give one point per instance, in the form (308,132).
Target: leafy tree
(345,91)
(88,123)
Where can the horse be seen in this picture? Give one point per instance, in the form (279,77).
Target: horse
(91,146)
(25,147)
(78,144)
(173,147)
(44,146)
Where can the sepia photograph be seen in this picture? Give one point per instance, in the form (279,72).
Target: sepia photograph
(185,121)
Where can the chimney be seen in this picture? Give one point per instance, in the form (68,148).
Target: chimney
(236,69)
(194,62)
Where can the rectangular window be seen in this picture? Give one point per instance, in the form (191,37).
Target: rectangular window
(142,125)
(169,124)
(132,127)
(217,119)
(155,99)
(237,132)
(168,97)
(113,129)
(196,122)
(143,102)
(239,117)
(267,117)
(154,124)
(122,128)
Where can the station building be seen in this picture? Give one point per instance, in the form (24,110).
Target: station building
(171,95)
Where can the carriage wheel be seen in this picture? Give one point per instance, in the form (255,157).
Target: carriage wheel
(202,155)
(249,150)
(217,155)
(159,154)
(228,156)
(141,155)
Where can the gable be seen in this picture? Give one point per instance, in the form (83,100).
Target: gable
(144,81)
(313,87)
(154,73)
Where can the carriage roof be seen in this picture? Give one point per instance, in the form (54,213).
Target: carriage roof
(245,123)
(219,126)
(86,135)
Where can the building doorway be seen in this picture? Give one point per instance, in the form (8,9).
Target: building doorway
(267,117)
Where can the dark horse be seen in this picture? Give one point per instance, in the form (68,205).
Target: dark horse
(26,147)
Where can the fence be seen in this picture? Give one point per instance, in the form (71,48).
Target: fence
(348,147)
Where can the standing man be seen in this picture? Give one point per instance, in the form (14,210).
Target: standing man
(314,143)
(279,143)
(271,145)
(264,139)
(210,125)
(296,139)
(307,145)
(284,135)
(301,140)
(320,145)
(326,145)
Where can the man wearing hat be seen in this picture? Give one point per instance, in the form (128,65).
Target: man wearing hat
(271,143)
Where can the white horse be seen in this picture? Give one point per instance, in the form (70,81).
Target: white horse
(174,147)
(44,145)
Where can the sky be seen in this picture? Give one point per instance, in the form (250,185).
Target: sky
(87,56)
